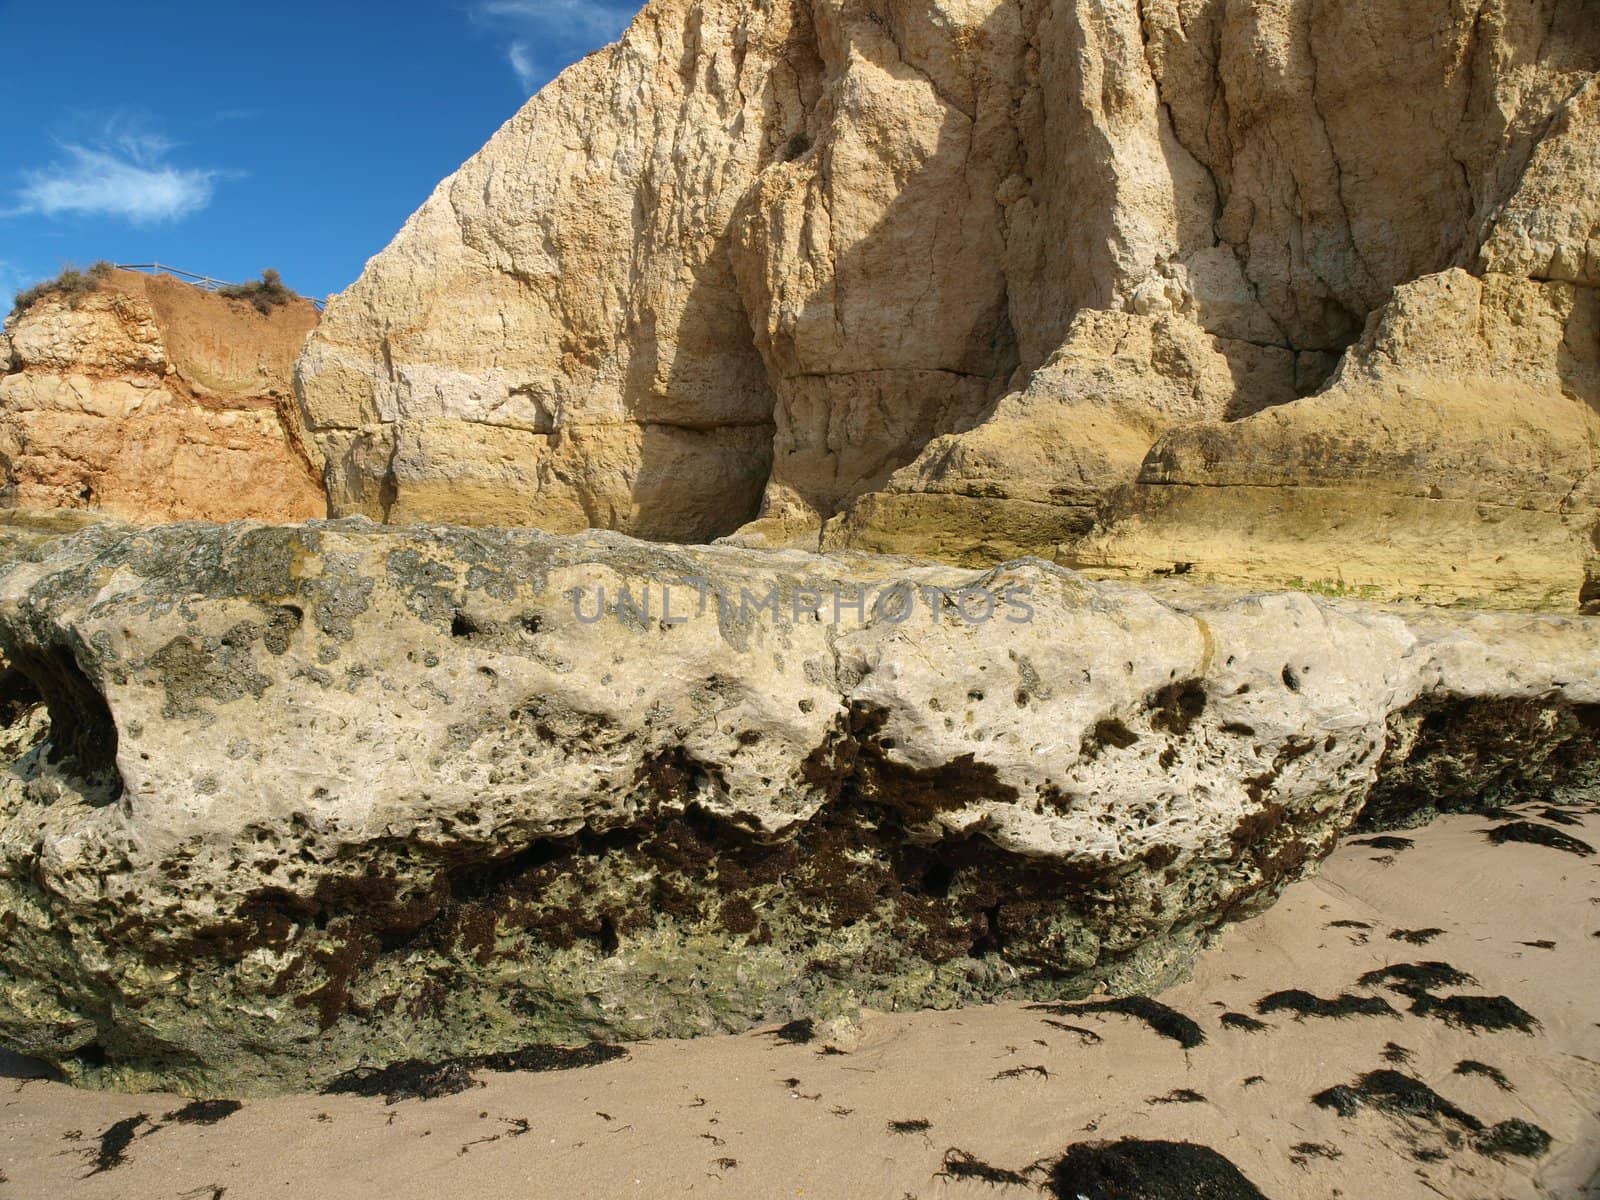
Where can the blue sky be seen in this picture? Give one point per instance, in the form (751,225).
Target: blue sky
(226,137)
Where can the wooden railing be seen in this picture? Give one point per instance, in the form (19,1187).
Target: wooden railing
(204,282)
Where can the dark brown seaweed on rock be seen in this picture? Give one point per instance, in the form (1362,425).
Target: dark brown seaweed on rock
(1457,754)
(1148,1170)
(1168,1022)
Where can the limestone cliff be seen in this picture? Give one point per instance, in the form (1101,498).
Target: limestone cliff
(151,400)
(1258,288)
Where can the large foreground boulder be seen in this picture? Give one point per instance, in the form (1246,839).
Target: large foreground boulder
(287,800)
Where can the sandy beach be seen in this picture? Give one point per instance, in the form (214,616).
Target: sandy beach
(982,1101)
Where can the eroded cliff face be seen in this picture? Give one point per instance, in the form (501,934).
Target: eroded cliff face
(284,801)
(151,400)
(939,278)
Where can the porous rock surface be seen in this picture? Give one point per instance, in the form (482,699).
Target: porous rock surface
(1237,284)
(287,800)
(150,400)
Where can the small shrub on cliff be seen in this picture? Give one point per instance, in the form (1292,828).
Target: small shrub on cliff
(267,293)
(71,286)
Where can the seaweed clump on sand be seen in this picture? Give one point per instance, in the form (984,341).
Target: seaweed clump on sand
(1424,976)
(1538,835)
(796,1033)
(1178,1096)
(204,1112)
(409,1079)
(1386,842)
(1515,1136)
(1168,1022)
(960,1164)
(1397,1094)
(1304,1152)
(415,1079)
(1023,1073)
(547,1058)
(1304,1004)
(1471,1066)
(114,1142)
(1400,1095)
(1475,1013)
(1419,981)
(1148,1170)
(1415,937)
(1243,1021)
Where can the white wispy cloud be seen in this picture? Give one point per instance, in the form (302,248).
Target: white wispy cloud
(545,35)
(123,173)
(527,69)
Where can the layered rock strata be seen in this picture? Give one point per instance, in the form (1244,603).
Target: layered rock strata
(289,800)
(1275,288)
(151,400)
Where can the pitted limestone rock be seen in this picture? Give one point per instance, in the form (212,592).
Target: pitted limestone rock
(312,796)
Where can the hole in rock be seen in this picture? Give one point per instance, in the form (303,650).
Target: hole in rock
(83,736)
(936,880)
(18,696)
(92,1056)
